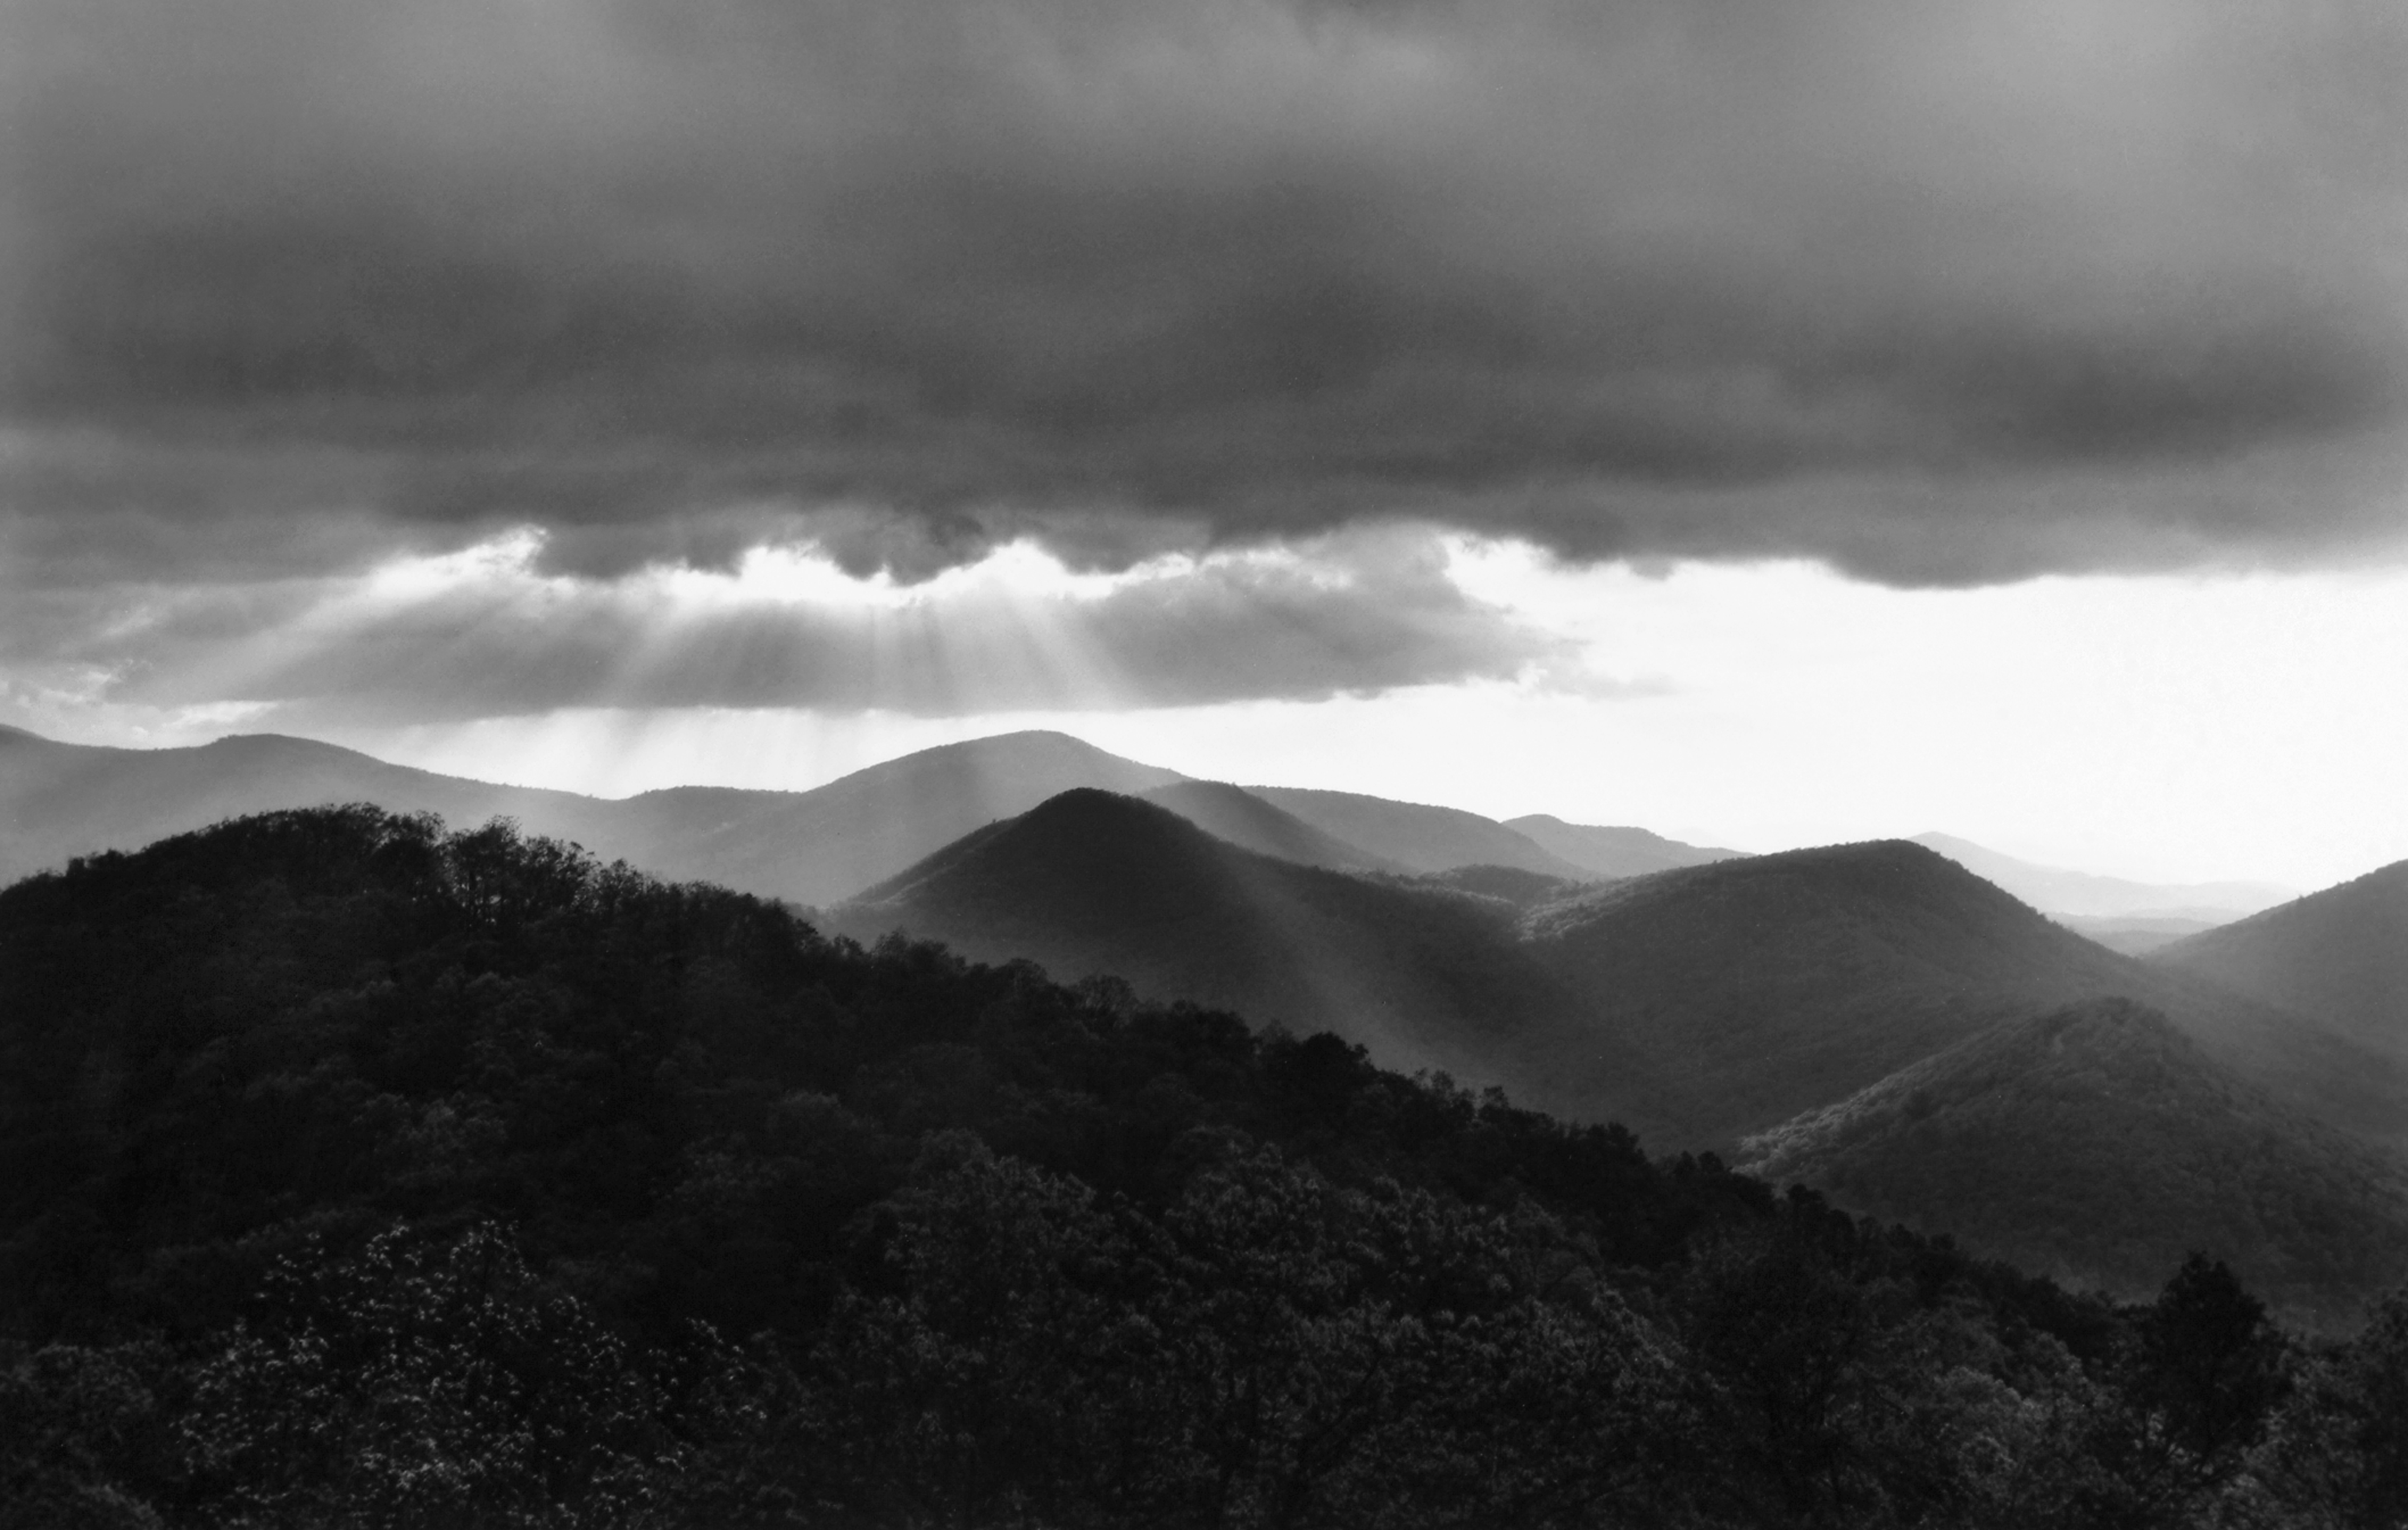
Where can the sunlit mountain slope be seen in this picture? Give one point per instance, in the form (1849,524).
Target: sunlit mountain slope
(2340,954)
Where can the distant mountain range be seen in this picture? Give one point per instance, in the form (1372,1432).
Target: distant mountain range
(1415,837)
(813,847)
(2137,935)
(1252,823)
(1613,852)
(58,800)
(818,846)
(2084,895)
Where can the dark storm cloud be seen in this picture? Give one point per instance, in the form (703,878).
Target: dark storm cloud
(1940,292)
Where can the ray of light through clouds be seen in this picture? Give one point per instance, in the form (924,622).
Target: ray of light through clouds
(490,632)
(1768,421)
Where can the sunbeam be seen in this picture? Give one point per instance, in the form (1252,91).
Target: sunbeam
(490,631)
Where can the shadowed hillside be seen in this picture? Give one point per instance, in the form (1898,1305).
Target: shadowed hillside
(1783,997)
(1697,1005)
(829,843)
(1766,986)
(2097,1143)
(2340,954)
(1613,852)
(1244,820)
(1093,884)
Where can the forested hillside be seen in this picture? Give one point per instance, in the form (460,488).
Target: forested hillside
(2097,1143)
(353,1172)
(2340,954)
(1093,884)
(1761,987)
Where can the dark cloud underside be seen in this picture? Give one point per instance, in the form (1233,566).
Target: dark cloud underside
(1938,292)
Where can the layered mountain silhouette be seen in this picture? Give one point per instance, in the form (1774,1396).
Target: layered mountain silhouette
(1612,852)
(1091,883)
(1416,837)
(1696,1005)
(60,800)
(1241,818)
(1873,1020)
(2058,890)
(818,846)
(2099,1143)
(1769,985)
(2137,935)
(63,800)
(2341,955)
(1813,1004)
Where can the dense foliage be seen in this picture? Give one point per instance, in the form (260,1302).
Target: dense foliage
(2100,1138)
(355,1173)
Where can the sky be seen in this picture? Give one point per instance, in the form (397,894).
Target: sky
(1767,421)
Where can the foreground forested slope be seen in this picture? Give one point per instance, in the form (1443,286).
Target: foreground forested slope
(353,1172)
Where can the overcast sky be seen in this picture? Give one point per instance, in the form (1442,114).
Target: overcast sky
(1762,418)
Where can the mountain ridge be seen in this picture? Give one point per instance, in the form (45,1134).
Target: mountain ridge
(1696,1004)
(2057,890)
(1791,979)
(2339,954)
(811,847)
(2099,1143)
(60,800)
(1243,819)
(1418,836)
(1754,1006)
(1092,884)
(1613,850)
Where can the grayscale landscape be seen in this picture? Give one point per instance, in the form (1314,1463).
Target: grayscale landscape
(1229,765)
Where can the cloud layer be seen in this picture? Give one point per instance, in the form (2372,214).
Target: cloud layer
(1939,292)
(487,634)
(1942,293)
